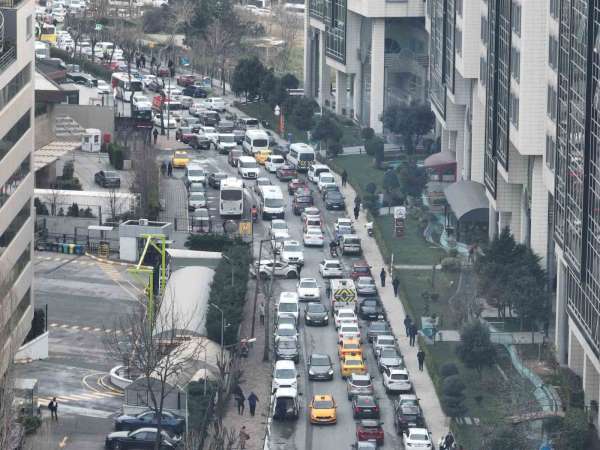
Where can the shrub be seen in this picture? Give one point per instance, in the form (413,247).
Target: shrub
(31,423)
(448,369)
(367,133)
(335,149)
(73,210)
(453,406)
(38,324)
(40,208)
(453,386)
(450,264)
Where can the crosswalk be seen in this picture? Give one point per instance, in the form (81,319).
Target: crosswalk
(82,261)
(82,328)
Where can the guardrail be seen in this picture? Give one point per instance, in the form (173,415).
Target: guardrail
(7,57)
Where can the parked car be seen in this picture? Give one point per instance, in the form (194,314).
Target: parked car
(396,380)
(316,314)
(417,438)
(365,407)
(407,413)
(107,179)
(169,422)
(378,328)
(371,430)
(320,367)
(140,438)
(365,286)
(334,200)
(370,309)
(360,269)
(389,357)
(287,348)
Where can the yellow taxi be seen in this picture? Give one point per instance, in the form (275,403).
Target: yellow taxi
(353,364)
(261,156)
(180,159)
(323,409)
(349,346)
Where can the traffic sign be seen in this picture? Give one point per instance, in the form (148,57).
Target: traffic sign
(245,228)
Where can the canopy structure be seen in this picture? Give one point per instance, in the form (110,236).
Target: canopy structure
(468,201)
(442,165)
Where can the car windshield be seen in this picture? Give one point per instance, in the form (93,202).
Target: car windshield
(351,346)
(349,329)
(288,307)
(196,172)
(197,196)
(326,179)
(260,143)
(409,402)
(346,315)
(181,155)
(225,138)
(286,332)
(306,157)
(287,344)
(399,377)
(320,361)
(248,164)
(365,401)
(308,284)
(285,373)
(251,122)
(366,281)
(361,383)
(389,353)
(333,266)
(231,195)
(419,437)
(378,326)
(322,404)
(273,202)
(220,176)
(111,174)
(315,308)
(361,269)
(293,248)
(277,159)
(369,303)
(304,199)
(387,341)
(279,225)
(314,232)
(352,241)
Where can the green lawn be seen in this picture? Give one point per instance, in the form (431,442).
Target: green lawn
(414,282)
(490,398)
(360,171)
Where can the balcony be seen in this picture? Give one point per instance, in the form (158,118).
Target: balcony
(7,56)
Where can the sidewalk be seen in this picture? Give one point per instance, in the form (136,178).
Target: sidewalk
(437,421)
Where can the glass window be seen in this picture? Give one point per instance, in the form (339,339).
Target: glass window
(29,27)
(459,7)
(515,64)
(554,11)
(14,227)
(484,29)
(550,152)
(16,316)
(553,52)
(515,18)
(14,134)
(514,110)
(551,103)
(482,71)
(15,180)
(14,86)
(458,41)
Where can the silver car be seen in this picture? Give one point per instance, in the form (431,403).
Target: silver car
(359,385)
(366,286)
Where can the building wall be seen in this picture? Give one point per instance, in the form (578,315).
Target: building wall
(16,215)
(89,116)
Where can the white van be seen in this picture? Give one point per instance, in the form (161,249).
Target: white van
(274,162)
(288,305)
(285,375)
(301,156)
(247,167)
(315,171)
(272,205)
(255,141)
(249,123)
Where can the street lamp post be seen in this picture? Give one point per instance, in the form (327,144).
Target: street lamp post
(228,259)
(222,328)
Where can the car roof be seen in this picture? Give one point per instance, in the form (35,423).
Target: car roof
(418,430)
(307,279)
(319,355)
(360,377)
(385,336)
(407,397)
(370,423)
(356,357)
(286,296)
(331,261)
(397,370)
(314,229)
(341,310)
(285,364)
(364,279)
(291,242)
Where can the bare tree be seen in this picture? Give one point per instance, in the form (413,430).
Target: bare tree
(158,348)
(56,198)
(290,25)
(115,203)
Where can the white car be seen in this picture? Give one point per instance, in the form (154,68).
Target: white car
(291,253)
(331,268)
(325,179)
(146,79)
(348,330)
(196,200)
(173,93)
(279,268)
(313,236)
(343,222)
(215,104)
(284,374)
(211,133)
(395,380)
(285,330)
(308,290)
(279,230)
(344,314)
(196,108)
(171,123)
(288,305)
(103,87)
(274,162)
(417,438)
(139,100)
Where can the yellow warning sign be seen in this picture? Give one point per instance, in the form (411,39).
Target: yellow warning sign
(344,295)
(245,228)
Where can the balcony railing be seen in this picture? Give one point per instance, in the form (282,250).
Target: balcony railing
(8,56)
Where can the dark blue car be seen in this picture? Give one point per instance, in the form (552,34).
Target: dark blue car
(170,422)
(194,91)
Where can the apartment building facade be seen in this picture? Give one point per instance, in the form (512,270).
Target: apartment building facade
(577,190)
(16,174)
(374,52)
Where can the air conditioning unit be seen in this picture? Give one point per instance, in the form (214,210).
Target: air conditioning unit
(143,222)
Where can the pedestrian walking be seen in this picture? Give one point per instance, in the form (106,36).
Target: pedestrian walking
(53,407)
(421,359)
(261,313)
(169,169)
(252,399)
(448,441)
(396,285)
(240,400)
(243,437)
(143,60)
(356,212)
(382,275)
(357,201)
(407,324)
(344,177)
(299,269)
(155,134)
(413,334)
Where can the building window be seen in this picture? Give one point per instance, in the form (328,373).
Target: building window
(482,71)
(515,18)
(554,8)
(458,41)
(336,30)
(484,30)
(15,180)
(553,52)
(550,152)
(14,227)
(514,110)
(14,86)
(459,7)
(515,64)
(551,103)
(29,27)
(16,317)
(14,134)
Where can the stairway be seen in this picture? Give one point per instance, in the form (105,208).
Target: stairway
(67,129)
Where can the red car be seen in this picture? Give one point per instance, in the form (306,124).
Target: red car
(295,184)
(360,269)
(186,80)
(286,173)
(163,72)
(369,430)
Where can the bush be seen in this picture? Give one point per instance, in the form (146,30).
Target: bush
(448,369)
(453,386)
(31,423)
(38,324)
(453,253)
(450,264)
(335,149)
(453,406)
(40,208)
(367,134)
(73,210)
(211,242)
(98,70)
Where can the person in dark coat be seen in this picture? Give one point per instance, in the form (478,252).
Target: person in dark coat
(344,177)
(382,275)
(407,324)
(252,399)
(421,359)
(155,134)
(356,212)
(169,169)
(240,401)
(413,334)
(396,285)
(53,407)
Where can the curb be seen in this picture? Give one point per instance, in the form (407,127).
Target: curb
(108,261)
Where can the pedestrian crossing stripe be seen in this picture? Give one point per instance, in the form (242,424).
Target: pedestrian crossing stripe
(65,326)
(75,260)
(79,397)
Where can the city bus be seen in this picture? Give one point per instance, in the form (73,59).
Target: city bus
(48,33)
(231,198)
(125,85)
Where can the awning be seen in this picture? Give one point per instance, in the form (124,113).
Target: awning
(51,152)
(444,158)
(468,200)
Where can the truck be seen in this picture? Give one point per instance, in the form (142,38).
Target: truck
(285,404)
(343,294)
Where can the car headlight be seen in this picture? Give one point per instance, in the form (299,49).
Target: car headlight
(308,317)
(330,372)
(311,372)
